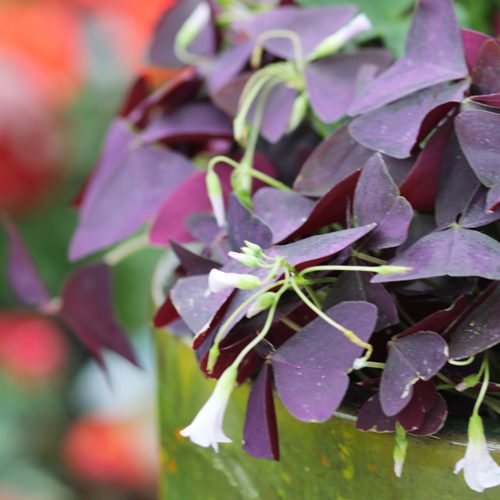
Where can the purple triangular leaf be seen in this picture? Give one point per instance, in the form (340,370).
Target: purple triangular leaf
(129,198)
(191,262)
(371,418)
(197,121)
(22,274)
(244,225)
(312,25)
(333,161)
(486,74)
(228,64)
(478,331)
(395,128)
(459,192)
(260,434)
(284,212)
(87,308)
(195,304)
(472,41)
(413,415)
(312,250)
(204,228)
(377,199)
(448,253)
(435,418)
(357,286)
(333,82)
(311,368)
(420,186)
(162,53)
(434,54)
(416,357)
(189,198)
(478,132)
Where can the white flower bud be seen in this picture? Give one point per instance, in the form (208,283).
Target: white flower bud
(246,260)
(220,280)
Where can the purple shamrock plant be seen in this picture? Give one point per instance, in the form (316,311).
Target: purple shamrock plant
(362,258)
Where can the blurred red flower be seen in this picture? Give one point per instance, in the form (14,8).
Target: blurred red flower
(110,452)
(32,349)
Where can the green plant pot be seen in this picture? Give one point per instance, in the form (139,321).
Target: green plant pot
(332,460)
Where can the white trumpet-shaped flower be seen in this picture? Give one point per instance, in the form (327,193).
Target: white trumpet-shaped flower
(220,280)
(480,470)
(206,429)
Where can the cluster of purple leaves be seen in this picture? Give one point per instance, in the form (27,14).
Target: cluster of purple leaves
(410,176)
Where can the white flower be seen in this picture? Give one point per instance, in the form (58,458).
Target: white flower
(480,470)
(206,428)
(220,280)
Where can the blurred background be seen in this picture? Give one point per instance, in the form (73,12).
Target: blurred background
(65,431)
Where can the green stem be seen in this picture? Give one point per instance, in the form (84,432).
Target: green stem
(291,324)
(464,362)
(214,350)
(349,334)
(368,258)
(126,249)
(484,386)
(369,269)
(265,328)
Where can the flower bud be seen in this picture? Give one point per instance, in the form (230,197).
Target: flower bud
(193,25)
(392,269)
(214,190)
(265,301)
(246,260)
(252,249)
(334,42)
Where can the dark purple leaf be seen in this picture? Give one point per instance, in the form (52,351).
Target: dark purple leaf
(166,314)
(161,52)
(333,82)
(439,320)
(420,186)
(312,25)
(434,54)
(204,228)
(486,74)
(197,121)
(260,434)
(377,199)
(478,132)
(415,357)
(395,128)
(244,225)
(453,252)
(357,286)
(472,41)
(435,418)
(227,97)
(87,308)
(311,368)
(193,263)
(333,161)
(181,88)
(22,274)
(312,250)
(479,330)
(493,198)
(284,212)
(188,199)
(195,304)
(424,396)
(129,197)
(460,195)
(489,100)
(371,418)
